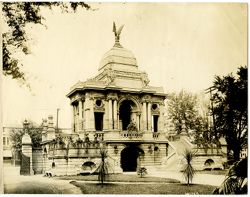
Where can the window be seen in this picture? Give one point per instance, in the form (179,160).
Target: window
(4,140)
(98,103)
(155,123)
(98,121)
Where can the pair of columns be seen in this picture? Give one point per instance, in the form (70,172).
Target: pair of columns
(147,117)
(113,115)
(78,114)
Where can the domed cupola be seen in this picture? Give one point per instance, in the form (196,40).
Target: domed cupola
(118,58)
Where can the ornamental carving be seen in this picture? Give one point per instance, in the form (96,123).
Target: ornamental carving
(145,79)
(110,76)
(146,98)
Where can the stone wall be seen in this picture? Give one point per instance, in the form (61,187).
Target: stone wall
(37,159)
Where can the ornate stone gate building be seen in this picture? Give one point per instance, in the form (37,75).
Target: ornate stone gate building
(120,108)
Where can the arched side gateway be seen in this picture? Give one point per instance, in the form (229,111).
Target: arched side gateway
(130,158)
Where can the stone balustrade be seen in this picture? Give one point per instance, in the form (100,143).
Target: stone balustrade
(128,135)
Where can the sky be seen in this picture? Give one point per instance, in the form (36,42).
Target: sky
(180,46)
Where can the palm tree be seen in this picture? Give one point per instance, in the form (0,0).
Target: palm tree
(102,169)
(188,170)
(236,179)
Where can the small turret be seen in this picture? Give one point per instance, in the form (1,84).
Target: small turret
(51,130)
(45,130)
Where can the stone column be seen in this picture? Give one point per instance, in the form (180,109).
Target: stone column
(73,118)
(27,151)
(83,114)
(106,117)
(80,116)
(86,113)
(138,121)
(92,116)
(115,114)
(144,116)
(149,117)
(110,115)
(152,122)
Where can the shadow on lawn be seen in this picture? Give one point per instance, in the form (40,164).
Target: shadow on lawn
(139,188)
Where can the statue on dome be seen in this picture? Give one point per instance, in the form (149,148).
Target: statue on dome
(117,33)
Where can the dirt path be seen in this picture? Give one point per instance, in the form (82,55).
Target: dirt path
(37,184)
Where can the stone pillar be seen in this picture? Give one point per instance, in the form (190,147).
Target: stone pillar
(138,121)
(110,115)
(44,132)
(51,130)
(149,117)
(26,151)
(83,115)
(161,120)
(115,115)
(80,116)
(152,122)
(73,117)
(144,116)
(92,115)
(106,117)
(86,113)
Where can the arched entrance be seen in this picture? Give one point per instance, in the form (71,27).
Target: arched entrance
(129,158)
(126,113)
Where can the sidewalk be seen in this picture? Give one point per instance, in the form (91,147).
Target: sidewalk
(204,179)
(15,183)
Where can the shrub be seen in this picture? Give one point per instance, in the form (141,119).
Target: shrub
(188,170)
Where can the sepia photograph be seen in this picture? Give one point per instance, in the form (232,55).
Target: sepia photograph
(124,98)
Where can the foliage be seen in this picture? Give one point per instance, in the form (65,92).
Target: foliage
(33,131)
(17,16)
(182,107)
(188,170)
(142,171)
(16,138)
(204,136)
(102,169)
(236,179)
(230,109)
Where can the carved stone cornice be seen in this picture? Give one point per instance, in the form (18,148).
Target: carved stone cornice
(112,96)
(146,98)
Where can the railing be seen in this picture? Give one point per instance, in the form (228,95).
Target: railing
(155,135)
(126,134)
(99,135)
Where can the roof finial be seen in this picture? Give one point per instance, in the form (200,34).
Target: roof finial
(117,35)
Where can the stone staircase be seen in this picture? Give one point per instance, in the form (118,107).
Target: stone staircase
(174,160)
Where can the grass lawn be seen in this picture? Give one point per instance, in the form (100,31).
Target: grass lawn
(156,188)
(119,178)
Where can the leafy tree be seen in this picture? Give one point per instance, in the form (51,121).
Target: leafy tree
(204,134)
(182,107)
(17,16)
(230,109)
(188,170)
(35,133)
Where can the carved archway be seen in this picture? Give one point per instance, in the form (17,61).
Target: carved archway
(129,158)
(129,110)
